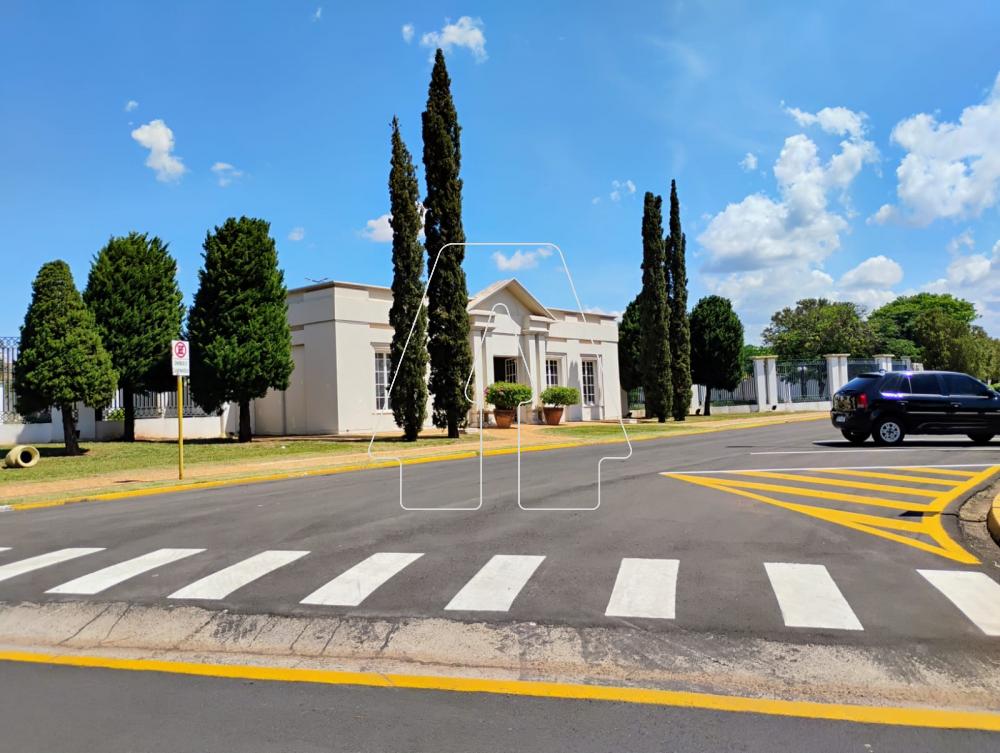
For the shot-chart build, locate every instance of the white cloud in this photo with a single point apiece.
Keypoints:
(467, 32)
(520, 259)
(408, 32)
(620, 187)
(974, 276)
(596, 200)
(950, 170)
(838, 120)
(749, 162)
(876, 271)
(131, 105)
(379, 230)
(159, 140)
(885, 213)
(318, 14)
(226, 173)
(296, 234)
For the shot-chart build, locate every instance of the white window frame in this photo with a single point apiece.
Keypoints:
(510, 365)
(595, 396)
(548, 381)
(383, 355)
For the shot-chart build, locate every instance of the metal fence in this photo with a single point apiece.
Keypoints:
(636, 399)
(147, 404)
(802, 381)
(857, 366)
(744, 394)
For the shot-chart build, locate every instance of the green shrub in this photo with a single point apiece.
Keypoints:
(561, 396)
(507, 395)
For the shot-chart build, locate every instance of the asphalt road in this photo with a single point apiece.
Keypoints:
(56, 709)
(721, 541)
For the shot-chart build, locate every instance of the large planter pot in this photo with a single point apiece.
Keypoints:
(503, 417)
(553, 415)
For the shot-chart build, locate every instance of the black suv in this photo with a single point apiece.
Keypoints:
(888, 406)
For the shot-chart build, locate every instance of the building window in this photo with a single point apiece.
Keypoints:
(510, 370)
(589, 370)
(382, 379)
(551, 372)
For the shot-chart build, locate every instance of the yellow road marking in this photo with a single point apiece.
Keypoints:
(887, 715)
(893, 504)
(888, 476)
(941, 471)
(929, 525)
(843, 484)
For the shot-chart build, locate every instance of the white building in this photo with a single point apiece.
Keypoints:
(340, 347)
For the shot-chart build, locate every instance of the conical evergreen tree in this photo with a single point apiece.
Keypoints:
(61, 360)
(407, 315)
(654, 313)
(132, 291)
(680, 328)
(241, 344)
(447, 293)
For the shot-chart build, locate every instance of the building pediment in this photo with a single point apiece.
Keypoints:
(524, 307)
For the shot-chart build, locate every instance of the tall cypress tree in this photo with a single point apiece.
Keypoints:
(447, 294)
(409, 362)
(680, 328)
(241, 344)
(61, 360)
(654, 312)
(132, 290)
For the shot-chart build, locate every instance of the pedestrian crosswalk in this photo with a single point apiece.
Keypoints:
(807, 596)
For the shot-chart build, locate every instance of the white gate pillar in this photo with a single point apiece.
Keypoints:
(836, 371)
(884, 361)
(760, 381)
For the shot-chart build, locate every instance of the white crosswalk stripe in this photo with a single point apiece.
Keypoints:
(808, 597)
(20, 567)
(497, 584)
(220, 584)
(354, 586)
(4, 548)
(103, 579)
(644, 588)
(977, 595)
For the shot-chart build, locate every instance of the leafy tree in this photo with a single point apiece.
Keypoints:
(716, 346)
(629, 346)
(817, 326)
(680, 329)
(132, 291)
(895, 328)
(654, 313)
(241, 344)
(407, 315)
(748, 353)
(61, 360)
(447, 293)
(950, 344)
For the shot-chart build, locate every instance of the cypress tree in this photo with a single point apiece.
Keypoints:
(680, 328)
(629, 347)
(132, 291)
(654, 313)
(61, 360)
(716, 346)
(409, 363)
(447, 294)
(241, 344)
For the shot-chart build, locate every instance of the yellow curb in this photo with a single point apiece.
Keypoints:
(887, 715)
(993, 519)
(376, 465)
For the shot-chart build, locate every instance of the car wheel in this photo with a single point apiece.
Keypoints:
(888, 431)
(855, 437)
(981, 438)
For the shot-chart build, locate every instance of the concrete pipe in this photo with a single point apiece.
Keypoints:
(22, 456)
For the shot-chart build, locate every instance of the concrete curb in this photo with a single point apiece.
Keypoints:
(993, 519)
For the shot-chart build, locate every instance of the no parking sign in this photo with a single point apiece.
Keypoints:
(180, 357)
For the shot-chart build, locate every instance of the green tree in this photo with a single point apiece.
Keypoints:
(817, 326)
(716, 346)
(950, 344)
(61, 360)
(895, 328)
(241, 344)
(407, 315)
(629, 347)
(132, 291)
(747, 355)
(680, 329)
(654, 313)
(447, 293)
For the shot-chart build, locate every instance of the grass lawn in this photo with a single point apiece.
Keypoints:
(110, 457)
(648, 428)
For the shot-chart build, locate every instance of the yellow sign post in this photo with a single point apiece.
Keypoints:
(180, 358)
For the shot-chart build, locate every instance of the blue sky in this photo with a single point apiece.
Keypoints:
(849, 150)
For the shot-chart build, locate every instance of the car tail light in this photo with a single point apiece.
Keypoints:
(863, 401)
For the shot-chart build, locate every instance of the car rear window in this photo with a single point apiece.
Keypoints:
(925, 384)
(860, 383)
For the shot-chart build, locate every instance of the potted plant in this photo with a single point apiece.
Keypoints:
(554, 398)
(505, 397)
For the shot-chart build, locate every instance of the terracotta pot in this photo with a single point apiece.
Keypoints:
(504, 418)
(553, 415)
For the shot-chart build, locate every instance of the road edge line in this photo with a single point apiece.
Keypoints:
(882, 715)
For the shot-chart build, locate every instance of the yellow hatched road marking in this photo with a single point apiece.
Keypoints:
(889, 476)
(941, 471)
(842, 484)
(892, 504)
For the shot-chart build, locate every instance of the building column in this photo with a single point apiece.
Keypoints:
(884, 361)
(760, 381)
(479, 375)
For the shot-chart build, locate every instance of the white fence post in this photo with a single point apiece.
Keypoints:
(836, 371)
(760, 381)
(884, 361)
